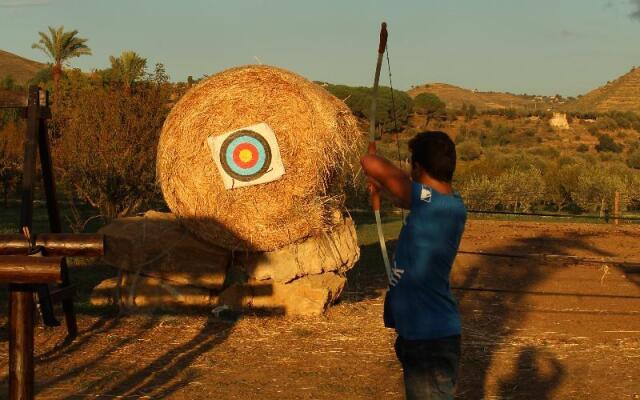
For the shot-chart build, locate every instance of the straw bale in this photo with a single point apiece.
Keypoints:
(318, 139)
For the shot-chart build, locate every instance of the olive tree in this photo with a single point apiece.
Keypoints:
(521, 189)
(481, 192)
(595, 189)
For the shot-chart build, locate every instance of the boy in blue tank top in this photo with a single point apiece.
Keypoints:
(419, 303)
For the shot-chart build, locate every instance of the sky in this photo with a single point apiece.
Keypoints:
(521, 46)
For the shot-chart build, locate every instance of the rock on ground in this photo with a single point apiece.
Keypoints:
(156, 245)
(336, 251)
(309, 295)
(162, 265)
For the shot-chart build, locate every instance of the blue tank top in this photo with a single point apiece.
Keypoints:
(419, 303)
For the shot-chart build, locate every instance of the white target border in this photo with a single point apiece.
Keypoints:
(276, 170)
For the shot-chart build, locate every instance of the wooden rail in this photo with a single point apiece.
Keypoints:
(55, 244)
(30, 269)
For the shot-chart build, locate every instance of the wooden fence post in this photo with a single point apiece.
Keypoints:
(29, 163)
(21, 342)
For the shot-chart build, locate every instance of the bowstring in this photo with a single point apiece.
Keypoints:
(393, 114)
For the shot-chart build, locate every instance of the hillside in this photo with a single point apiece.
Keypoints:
(19, 68)
(455, 97)
(622, 94)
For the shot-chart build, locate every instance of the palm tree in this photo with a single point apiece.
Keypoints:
(60, 46)
(128, 68)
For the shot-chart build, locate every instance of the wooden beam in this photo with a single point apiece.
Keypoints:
(48, 178)
(13, 244)
(21, 375)
(29, 161)
(72, 244)
(30, 270)
(55, 244)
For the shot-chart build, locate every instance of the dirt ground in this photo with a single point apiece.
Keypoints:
(531, 331)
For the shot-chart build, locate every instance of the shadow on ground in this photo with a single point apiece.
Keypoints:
(86, 365)
(489, 291)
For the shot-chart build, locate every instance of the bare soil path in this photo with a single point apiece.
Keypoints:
(531, 331)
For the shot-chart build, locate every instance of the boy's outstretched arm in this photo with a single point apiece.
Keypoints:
(393, 182)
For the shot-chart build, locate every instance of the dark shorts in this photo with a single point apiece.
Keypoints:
(430, 367)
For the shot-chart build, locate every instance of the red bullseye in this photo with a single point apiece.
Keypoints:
(245, 155)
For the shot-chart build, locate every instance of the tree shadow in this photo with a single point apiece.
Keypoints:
(489, 313)
(160, 375)
(155, 378)
(528, 381)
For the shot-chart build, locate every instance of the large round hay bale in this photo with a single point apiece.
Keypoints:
(318, 139)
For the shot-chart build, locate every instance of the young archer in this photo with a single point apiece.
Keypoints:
(419, 303)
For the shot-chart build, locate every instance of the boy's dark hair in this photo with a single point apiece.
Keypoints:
(435, 152)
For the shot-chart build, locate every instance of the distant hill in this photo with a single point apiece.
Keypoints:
(19, 68)
(622, 94)
(455, 97)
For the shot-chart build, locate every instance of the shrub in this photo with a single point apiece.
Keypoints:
(43, 76)
(500, 135)
(545, 151)
(511, 113)
(429, 105)
(469, 151)
(359, 101)
(469, 111)
(606, 123)
(625, 120)
(463, 133)
(439, 124)
(582, 148)
(593, 130)
(607, 144)
(487, 123)
(11, 151)
(107, 147)
(606, 156)
(633, 159)
(8, 83)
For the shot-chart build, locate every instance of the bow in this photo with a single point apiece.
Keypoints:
(375, 196)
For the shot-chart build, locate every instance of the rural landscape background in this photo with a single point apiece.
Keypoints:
(540, 174)
(511, 157)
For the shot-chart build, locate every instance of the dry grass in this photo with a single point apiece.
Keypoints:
(318, 138)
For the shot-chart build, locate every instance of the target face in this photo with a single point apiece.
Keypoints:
(247, 156)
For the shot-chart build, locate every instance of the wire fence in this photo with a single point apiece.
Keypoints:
(606, 217)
